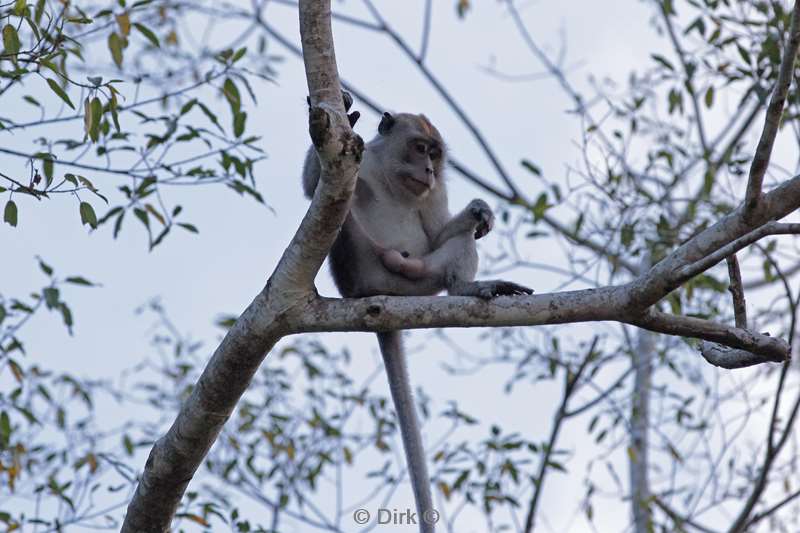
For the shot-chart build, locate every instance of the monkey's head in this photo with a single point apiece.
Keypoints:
(414, 151)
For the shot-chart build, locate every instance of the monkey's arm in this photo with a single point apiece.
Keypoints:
(393, 260)
(409, 267)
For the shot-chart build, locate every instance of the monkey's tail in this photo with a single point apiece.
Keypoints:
(397, 371)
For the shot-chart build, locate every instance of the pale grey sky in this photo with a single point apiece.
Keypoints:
(198, 277)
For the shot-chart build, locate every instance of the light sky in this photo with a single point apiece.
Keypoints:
(219, 271)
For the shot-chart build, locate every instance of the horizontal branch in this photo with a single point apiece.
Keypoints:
(770, 348)
(729, 358)
(385, 313)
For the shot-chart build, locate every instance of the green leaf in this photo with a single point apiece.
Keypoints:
(231, 93)
(662, 61)
(141, 214)
(709, 96)
(149, 35)
(10, 213)
(59, 91)
(626, 235)
(19, 7)
(540, 207)
(238, 123)
(211, 116)
(47, 269)
(37, 15)
(188, 106)
(115, 45)
(96, 115)
(51, 297)
(66, 314)
(31, 100)
(188, 227)
(239, 54)
(87, 215)
(531, 167)
(118, 224)
(47, 164)
(11, 44)
(5, 430)
(79, 280)
(112, 104)
(744, 53)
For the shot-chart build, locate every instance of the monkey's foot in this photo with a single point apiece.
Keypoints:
(347, 100)
(487, 290)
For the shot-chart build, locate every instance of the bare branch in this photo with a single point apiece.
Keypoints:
(769, 348)
(723, 356)
(687, 71)
(729, 358)
(175, 457)
(771, 228)
(570, 382)
(737, 292)
(672, 271)
(773, 119)
(679, 520)
(384, 313)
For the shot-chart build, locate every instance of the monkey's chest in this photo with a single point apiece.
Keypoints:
(396, 227)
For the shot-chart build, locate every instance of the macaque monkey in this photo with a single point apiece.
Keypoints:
(400, 239)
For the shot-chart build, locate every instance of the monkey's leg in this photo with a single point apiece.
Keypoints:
(400, 386)
(476, 217)
(461, 267)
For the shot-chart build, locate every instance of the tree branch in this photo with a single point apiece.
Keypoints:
(737, 291)
(773, 119)
(175, 457)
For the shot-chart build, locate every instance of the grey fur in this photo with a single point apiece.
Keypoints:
(400, 211)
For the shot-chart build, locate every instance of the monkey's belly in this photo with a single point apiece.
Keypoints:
(395, 228)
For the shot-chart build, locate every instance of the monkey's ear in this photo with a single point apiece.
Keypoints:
(387, 122)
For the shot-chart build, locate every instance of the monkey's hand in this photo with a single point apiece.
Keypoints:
(347, 100)
(483, 215)
(399, 263)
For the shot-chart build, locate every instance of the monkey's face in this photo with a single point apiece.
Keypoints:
(421, 163)
(419, 152)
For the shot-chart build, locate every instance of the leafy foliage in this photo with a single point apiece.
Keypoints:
(134, 117)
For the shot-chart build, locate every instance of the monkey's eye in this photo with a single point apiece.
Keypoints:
(435, 153)
(420, 148)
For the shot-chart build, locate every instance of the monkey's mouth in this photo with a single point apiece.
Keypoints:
(416, 186)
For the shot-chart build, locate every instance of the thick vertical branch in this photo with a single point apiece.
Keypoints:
(773, 119)
(638, 457)
(175, 457)
(642, 357)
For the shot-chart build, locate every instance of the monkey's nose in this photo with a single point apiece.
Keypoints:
(429, 170)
